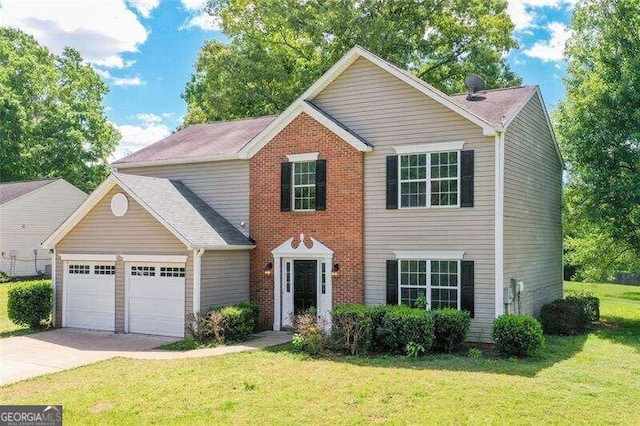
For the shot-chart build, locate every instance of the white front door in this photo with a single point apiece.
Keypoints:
(156, 298)
(90, 295)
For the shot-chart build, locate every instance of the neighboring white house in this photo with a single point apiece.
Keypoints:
(29, 212)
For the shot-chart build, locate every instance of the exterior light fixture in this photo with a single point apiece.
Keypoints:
(268, 268)
(335, 269)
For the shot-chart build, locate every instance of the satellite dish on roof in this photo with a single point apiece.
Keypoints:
(474, 83)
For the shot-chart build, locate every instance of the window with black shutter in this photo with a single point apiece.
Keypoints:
(303, 186)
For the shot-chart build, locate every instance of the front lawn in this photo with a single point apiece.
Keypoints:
(592, 379)
(7, 328)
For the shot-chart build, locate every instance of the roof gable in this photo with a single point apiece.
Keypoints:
(10, 191)
(177, 208)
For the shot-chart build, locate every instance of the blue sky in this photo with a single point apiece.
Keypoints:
(145, 51)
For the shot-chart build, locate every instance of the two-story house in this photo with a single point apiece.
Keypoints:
(373, 187)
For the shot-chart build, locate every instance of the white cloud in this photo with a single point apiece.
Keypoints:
(524, 15)
(194, 4)
(135, 137)
(551, 50)
(119, 81)
(148, 117)
(102, 31)
(204, 21)
(144, 7)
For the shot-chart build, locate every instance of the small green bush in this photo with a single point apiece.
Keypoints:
(239, 321)
(31, 303)
(352, 328)
(401, 325)
(564, 317)
(589, 303)
(517, 335)
(309, 336)
(4, 278)
(450, 328)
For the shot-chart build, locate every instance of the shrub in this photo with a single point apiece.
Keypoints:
(564, 317)
(4, 278)
(589, 303)
(224, 324)
(352, 328)
(450, 328)
(309, 335)
(475, 353)
(30, 303)
(401, 325)
(517, 335)
(238, 322)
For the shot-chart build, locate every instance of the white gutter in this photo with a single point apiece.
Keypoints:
(53, 283)
(499, 222)
(197, 276)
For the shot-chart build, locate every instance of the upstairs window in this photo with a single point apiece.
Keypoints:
(429, 179)
(304, 185)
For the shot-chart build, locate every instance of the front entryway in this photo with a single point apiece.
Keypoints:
(305, 274)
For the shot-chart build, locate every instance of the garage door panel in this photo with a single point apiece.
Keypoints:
(90, 296)
(156, 301)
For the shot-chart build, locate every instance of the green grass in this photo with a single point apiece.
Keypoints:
(7, 328)
(592, 379)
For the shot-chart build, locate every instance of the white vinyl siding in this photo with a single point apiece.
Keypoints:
(225, 278)
(27, 221)
(387, 112)
(224, 185)
(532, 209)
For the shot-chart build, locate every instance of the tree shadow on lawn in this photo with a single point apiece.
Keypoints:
(620, 330)
(556, 349)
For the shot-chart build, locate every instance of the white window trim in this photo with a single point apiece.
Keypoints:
(429, 147)
(88, 257)
(145, 258)
(309, 156)
(429, 255)
(294, 186)
(429, 287)
(428, 182)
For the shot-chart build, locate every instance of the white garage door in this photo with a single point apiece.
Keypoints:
(156, 298)
(90, 295)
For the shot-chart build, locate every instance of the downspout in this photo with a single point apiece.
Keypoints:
(197, 275)
(53, 283)
(499, 225)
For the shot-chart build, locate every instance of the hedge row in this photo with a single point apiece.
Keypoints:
(361, 329)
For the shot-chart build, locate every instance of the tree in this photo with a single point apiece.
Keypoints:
(52, 120)
(278, 48)
(598, 123)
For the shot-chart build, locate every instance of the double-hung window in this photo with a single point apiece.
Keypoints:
(304, 185)
(437, 281)
(429, 179)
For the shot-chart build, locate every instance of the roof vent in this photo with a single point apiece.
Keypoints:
(474, 84)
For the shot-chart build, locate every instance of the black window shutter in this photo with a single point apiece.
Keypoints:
(321, 184)
(392, 182)
(467, 297)
(466, 176)
(392, 282)
(285, 187)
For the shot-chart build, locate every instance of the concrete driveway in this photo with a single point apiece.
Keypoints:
(29, 356)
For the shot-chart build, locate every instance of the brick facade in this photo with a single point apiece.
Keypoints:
(339, 227)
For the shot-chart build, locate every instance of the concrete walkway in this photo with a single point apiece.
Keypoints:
(48, 352)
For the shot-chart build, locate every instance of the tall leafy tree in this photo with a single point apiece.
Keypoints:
(278, 48)
(52, 119)
(598, 123)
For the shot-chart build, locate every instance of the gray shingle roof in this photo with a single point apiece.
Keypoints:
(496, 106)
(12, 190)
(202, 140)
(183, 211)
